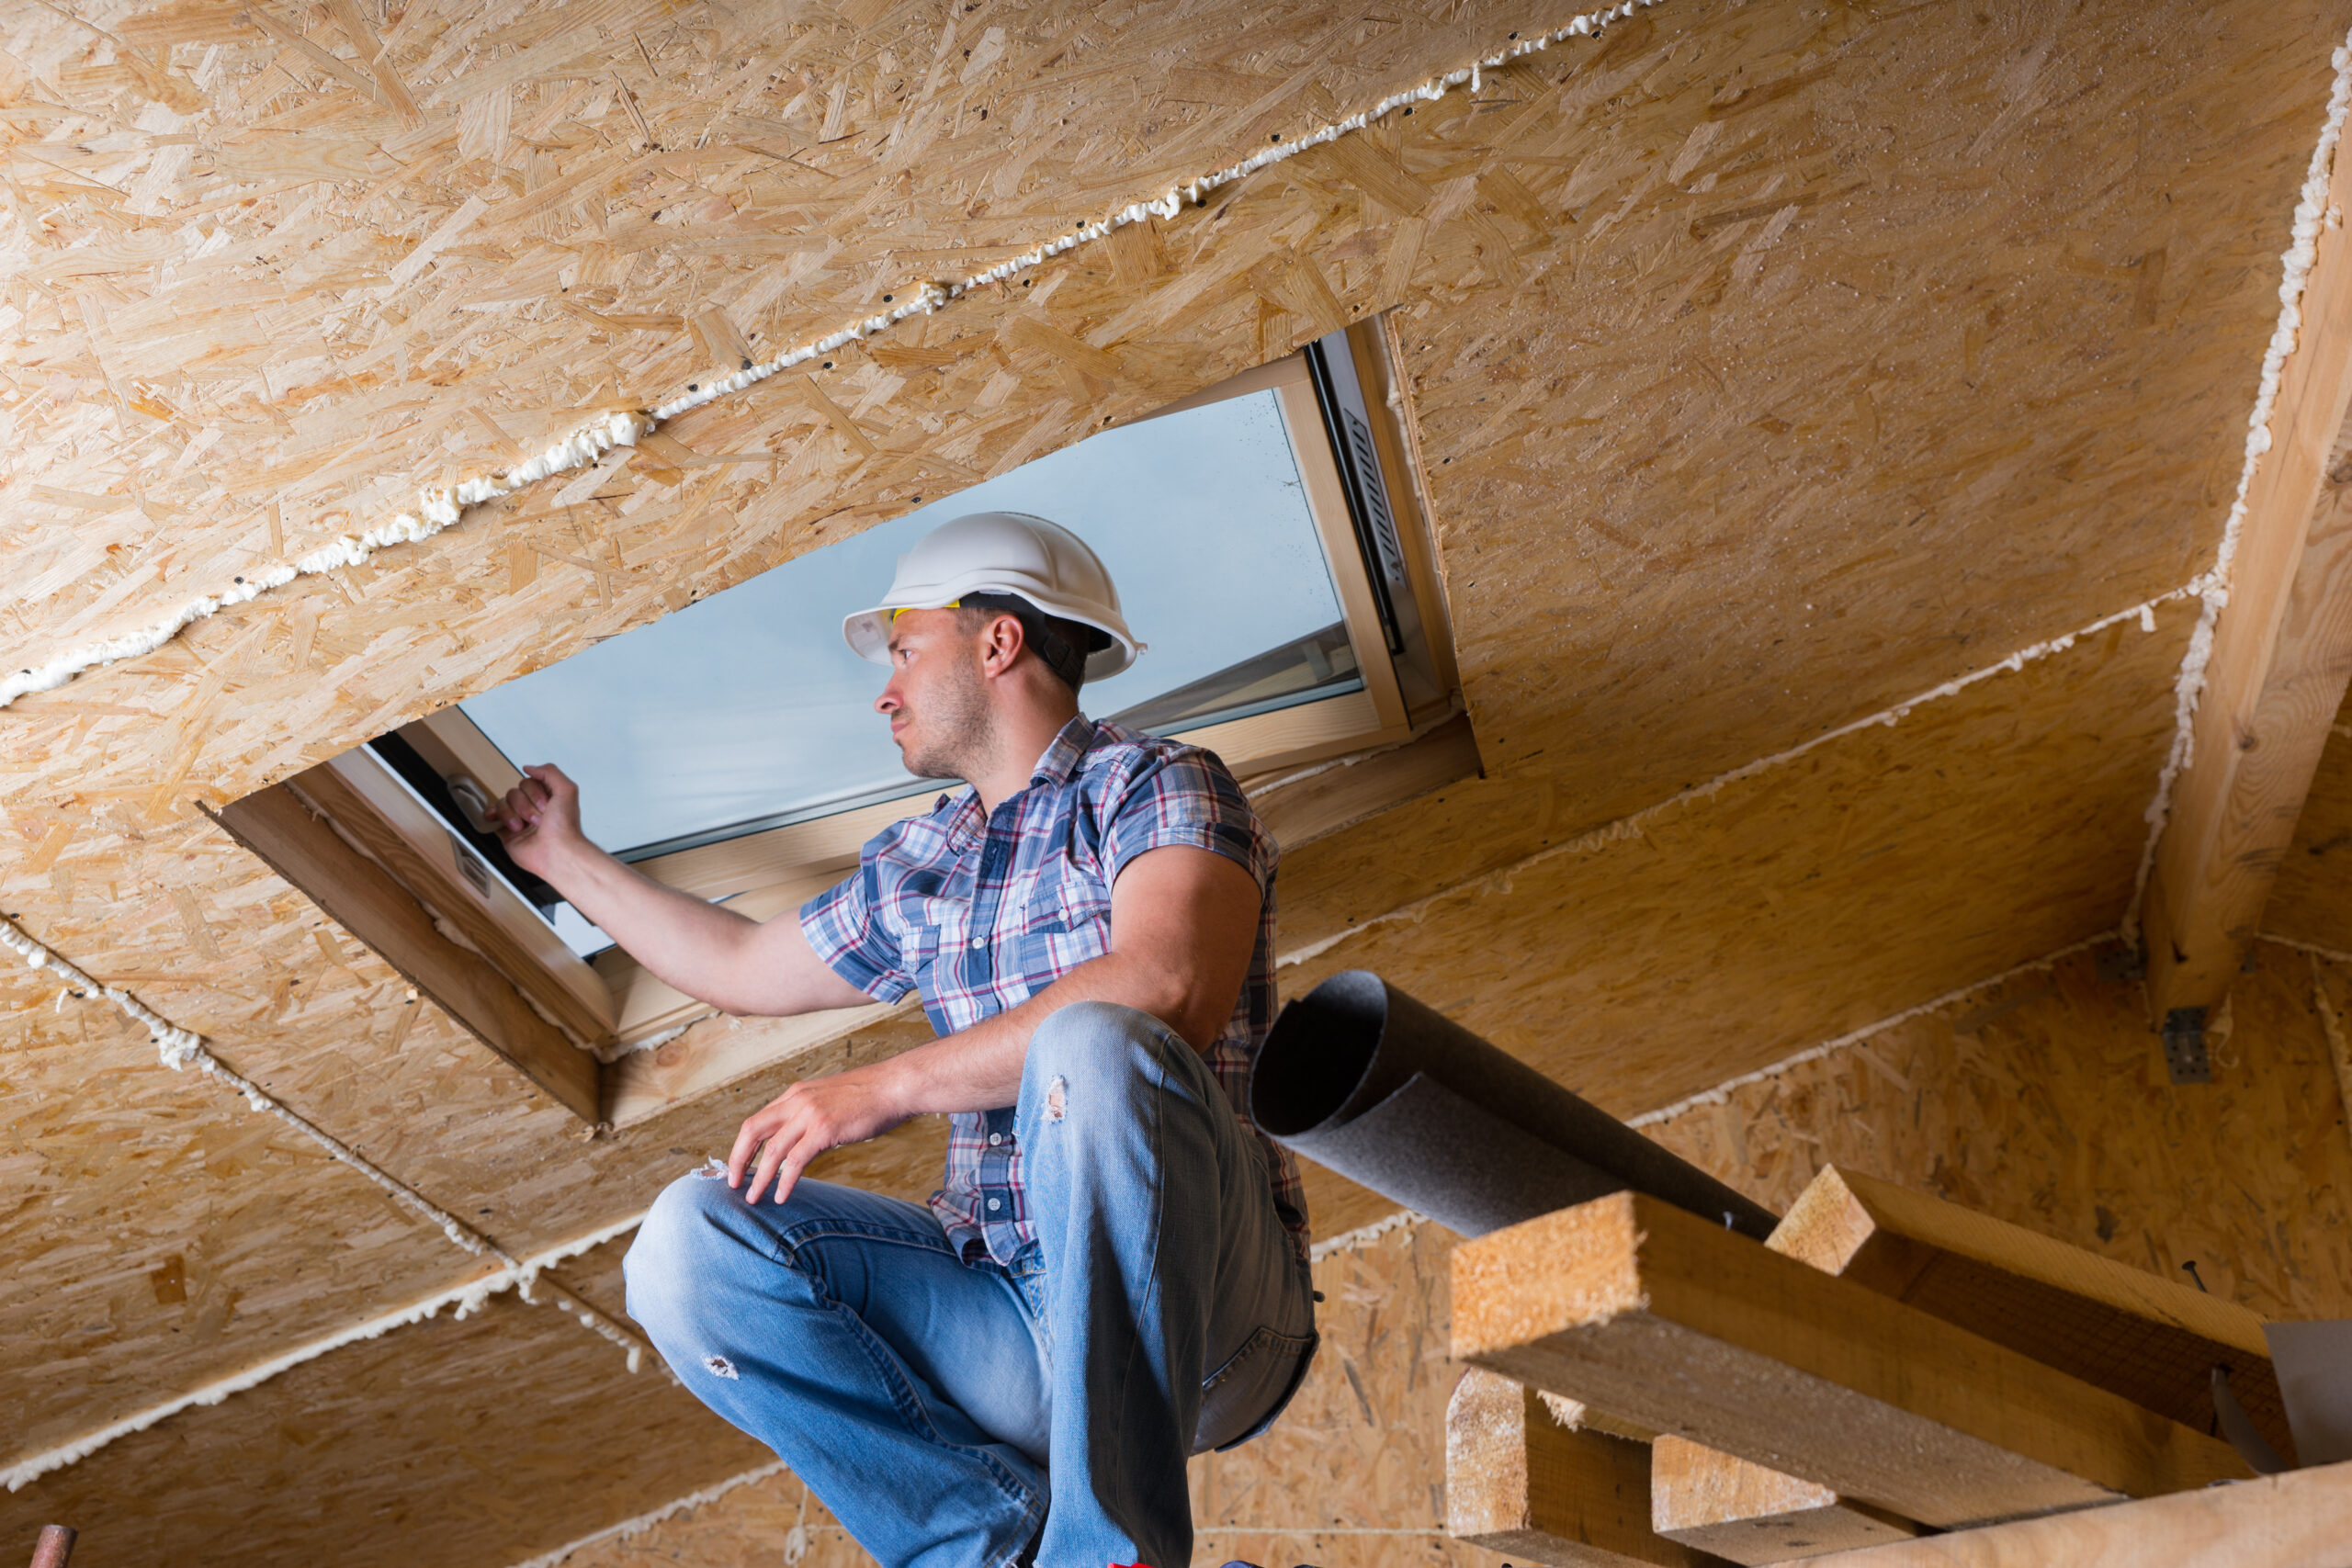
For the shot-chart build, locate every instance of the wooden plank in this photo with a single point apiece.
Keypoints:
(2280, 660)
(1520, 1482)
(362, 898)
(2116, 1328)
(644, 1084)
(1632, 1305)
(1746, 1513)
(1300, 808)
(2302, 1519)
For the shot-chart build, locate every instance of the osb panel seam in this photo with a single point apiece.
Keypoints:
(445, 507)
(180, 1049)
(1630, 827)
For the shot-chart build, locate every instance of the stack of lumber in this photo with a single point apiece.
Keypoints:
(1890, 1381)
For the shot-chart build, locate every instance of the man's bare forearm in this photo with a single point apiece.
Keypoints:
(696, 946)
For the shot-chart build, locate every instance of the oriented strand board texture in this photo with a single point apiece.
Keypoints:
(441, 1443)
(2043, 1102)
(155, 1221)
(1770, 362)
(148, 1218)
(1794, 905)
(326, 253)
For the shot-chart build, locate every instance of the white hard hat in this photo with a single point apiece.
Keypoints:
(1003, 552)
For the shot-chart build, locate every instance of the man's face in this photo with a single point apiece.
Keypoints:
(937, 698)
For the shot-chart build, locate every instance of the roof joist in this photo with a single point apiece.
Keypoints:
(2280, 653)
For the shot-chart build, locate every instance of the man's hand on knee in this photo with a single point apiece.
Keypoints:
(806, 1120)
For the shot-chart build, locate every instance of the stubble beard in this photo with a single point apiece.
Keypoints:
(961, 730)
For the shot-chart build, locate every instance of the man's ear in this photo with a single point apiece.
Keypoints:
(1006, 638)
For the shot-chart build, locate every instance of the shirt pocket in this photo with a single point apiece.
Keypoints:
(1066, 923)
(934, 928)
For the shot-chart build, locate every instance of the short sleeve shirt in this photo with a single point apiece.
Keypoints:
(979, 912)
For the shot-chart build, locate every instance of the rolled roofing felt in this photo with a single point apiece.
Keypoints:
(1361, 1078)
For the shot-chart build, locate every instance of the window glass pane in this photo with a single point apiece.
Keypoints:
(747, 709)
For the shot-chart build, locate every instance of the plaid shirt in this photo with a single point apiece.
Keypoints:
(981, 913)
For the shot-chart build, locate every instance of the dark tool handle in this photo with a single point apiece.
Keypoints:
(55, 1549)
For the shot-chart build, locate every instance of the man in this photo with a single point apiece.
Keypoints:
(1113, 1275)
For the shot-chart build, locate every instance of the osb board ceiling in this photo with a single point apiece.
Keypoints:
(443, 1443)
(1728, 933)
(1771, 366)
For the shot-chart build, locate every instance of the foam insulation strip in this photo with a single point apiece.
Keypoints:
(182, 1048)
(467, 1298)
(441, 509)
(2312, 215)
(1721, 1094)
(2313, 948)
(1630, 827)
(1362, 1236)
(794, 1546)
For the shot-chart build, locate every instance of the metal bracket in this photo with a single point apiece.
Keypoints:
(2185, 1056)
(2117, 965)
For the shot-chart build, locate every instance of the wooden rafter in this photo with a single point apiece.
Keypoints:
(2280, 659)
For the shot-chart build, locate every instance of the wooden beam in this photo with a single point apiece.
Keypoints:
(362, 898)
(2116, 1328)
(2281, 656)
(1520, 1482)
(1637, 1307)
(1741, 1511)
(1304, 804)
(711, 1055)
(2300, 1520)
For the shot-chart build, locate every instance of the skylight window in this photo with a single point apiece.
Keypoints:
(747, 711)
(1264, 551)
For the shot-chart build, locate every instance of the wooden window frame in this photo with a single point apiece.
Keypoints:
(354, 820)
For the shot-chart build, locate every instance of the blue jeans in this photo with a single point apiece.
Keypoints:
(955, 1413)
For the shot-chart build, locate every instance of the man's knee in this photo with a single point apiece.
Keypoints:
(1100, 1054)
(1093, 1039)
(692, 1223)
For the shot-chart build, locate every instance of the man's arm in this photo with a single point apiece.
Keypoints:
(1183, 925)
(711, 953)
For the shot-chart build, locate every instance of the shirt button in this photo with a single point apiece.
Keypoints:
(996, 1137)
(993, 1205)
(979, 941)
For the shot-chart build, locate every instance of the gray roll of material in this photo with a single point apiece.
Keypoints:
(1359, 1076)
